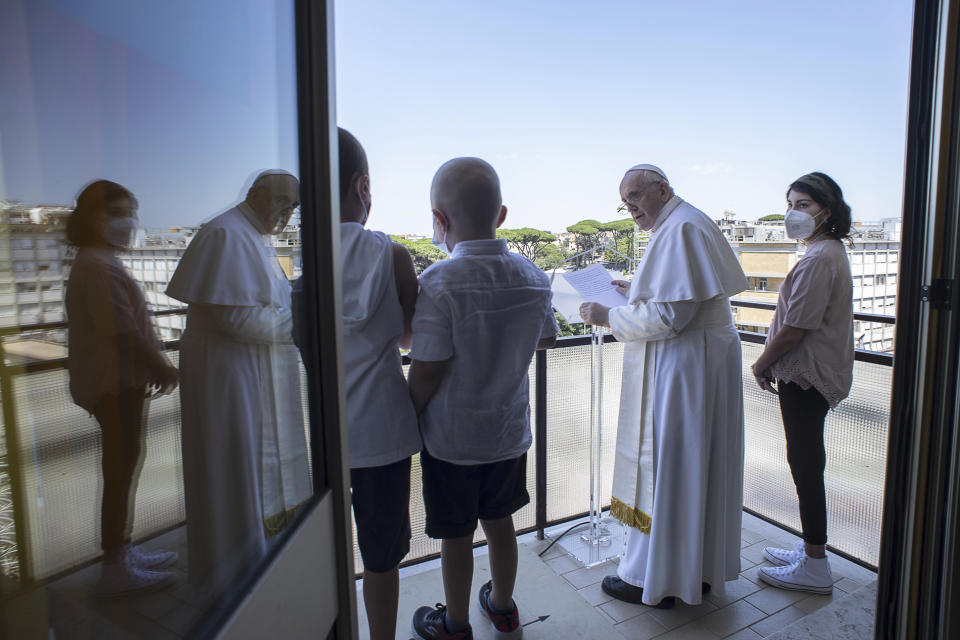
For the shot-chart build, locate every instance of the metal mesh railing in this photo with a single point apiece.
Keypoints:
(59, 472)
(59, 467)
(855, 438)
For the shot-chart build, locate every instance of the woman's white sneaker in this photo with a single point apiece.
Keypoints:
(784, 557)
(141, 559)
(121, 579)
(807, 574)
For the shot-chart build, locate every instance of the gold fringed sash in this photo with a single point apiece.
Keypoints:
(633, 477)
(276, 523)
(630, 516)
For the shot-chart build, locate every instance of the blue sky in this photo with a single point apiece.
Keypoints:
(181, 101)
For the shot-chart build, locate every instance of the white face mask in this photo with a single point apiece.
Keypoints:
(366, 211)
(440, 243)
(118, 232)
(800, 225)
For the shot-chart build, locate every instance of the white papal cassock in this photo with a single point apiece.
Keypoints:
(678, 474)
(244, 449)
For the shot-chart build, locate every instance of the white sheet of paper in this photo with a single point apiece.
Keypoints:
(592, 284)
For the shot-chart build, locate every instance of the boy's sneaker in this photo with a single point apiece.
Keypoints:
(428, 624)
(506, 624)
(784, 557)
(121, 579)
(137, 557)
(807, 574)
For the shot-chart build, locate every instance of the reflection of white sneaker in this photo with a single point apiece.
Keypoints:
(141, 559)
(119, 579)
(807, 574)
(784, 557)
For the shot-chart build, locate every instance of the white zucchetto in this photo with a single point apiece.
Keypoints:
(649, 167)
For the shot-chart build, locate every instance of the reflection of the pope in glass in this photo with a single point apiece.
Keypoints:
(244, 450)
(115, 360)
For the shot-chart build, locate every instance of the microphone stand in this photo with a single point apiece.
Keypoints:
(598, 535)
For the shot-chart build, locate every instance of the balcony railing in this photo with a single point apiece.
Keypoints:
(49, 479)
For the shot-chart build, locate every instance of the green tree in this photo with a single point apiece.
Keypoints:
(622, 239)
(422, 251)
(585, 234)
(567, 329)
(550, 255)
(773, 217)
(529, 243)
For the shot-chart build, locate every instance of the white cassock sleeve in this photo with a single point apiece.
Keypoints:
(650, 321)
(259, 325)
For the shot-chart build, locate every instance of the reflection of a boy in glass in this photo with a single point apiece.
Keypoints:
(115, 363)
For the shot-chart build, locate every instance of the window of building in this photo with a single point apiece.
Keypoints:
(761, 284)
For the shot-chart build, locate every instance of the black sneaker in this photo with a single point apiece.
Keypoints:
(505, 624)
(428, 624)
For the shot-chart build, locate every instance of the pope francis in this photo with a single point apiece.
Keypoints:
(678, 472)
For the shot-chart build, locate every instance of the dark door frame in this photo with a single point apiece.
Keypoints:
(320, 233)
(918, 550)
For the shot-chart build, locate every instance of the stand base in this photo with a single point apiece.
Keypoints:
(590, 551)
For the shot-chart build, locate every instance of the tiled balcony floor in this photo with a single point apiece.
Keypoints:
(554, 584)
(748, 610)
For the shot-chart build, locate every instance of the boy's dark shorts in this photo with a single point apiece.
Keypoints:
(456, 496)
(381, 509)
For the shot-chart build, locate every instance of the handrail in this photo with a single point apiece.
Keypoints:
(734, 302)
(857, 315)
(49, 326)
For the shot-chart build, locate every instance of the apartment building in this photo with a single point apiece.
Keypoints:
(35, 265)
(33, 260)
(874, 265)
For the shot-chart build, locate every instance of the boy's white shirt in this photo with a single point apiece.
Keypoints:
(381, 420)
(485, 309)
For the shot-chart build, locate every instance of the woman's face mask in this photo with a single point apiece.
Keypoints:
(801, 225)
(118, 232)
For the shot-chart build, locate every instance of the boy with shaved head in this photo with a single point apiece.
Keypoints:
(479, 318)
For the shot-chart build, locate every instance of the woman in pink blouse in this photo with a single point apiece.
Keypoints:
(115, 363)
(809, 357)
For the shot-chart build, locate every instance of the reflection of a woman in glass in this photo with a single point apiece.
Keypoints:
(115, 363)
